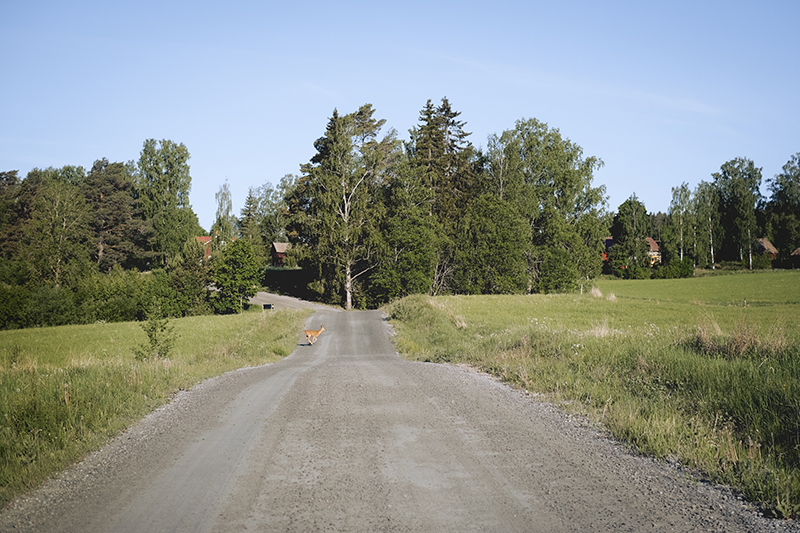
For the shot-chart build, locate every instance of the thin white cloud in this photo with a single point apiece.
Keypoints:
(591, 89)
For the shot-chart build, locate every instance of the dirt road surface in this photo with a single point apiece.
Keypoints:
(278, 301)
(347, 436)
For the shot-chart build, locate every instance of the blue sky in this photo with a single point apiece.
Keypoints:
(663, 93)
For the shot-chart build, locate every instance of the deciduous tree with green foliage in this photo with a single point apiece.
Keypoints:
(681, 212)
(190, 278)
(630, 229)
(9, 189)
(783, 208)
(738, 183)
(491, 248)
(414, 241)
(235, 273)
(709, 228)
(549, 180)
(162, 191)
(57, 238)
(337, 205)
(224, 228)
(274, 210)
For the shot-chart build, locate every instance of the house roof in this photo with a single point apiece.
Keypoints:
(766, 246)
(280, 247)
(653, 244)
(796, 252)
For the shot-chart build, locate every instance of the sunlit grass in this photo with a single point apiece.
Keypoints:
(765, 287)
(66, 390)
(677, 369)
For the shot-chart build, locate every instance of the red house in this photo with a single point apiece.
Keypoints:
(206, 242)
(763, 246)
(279, 253)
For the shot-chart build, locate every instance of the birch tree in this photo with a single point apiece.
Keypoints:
(738, 183)
(681, 212)
(708, 222)
(163, 183)
(57, 236)
(783, 208)
(549, 181)
(339, 209)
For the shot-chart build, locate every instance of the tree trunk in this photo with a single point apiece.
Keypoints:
(711, 240)
(348, 287)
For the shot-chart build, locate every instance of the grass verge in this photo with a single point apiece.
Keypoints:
(679, 368)
(65, 390)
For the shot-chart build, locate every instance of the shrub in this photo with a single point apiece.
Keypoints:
(160, 334)
(50, 306)
(675, 269)
(157, 288)
(12, 306)
(761, 262)
(111, 297)
(638, 272)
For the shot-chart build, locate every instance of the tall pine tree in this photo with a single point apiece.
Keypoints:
(441, 154)
(118, 230)
(337, 204)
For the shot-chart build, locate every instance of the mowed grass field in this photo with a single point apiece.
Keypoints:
(66, 390)
(705, 371)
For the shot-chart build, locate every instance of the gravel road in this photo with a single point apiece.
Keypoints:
(347, 436)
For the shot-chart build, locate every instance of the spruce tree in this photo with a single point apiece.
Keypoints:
(337, 207)
(442, 156)
(250, 225)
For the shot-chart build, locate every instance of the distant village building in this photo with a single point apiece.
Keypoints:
(279, 250)
(654, 251)
(206, 242)
(763, 246)
(794, 257)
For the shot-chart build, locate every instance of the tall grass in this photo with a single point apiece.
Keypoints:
(679, 368)
(66, 390)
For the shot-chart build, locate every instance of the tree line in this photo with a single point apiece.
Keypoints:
(370, 218)
(375, 218)
(719, 223)
(111, 244)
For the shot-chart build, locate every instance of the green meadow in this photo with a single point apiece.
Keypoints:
(705, 371)
(66, 390)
